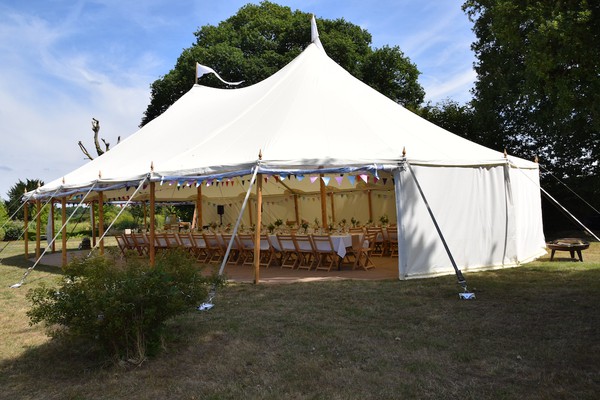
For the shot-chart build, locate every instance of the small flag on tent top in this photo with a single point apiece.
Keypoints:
(203, 70)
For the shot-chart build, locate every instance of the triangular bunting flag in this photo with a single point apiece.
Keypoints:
(339, 180)
(352, 179)
(384, 181)
(364, 177)
(299, 177)
(326, 180)
(313, 179)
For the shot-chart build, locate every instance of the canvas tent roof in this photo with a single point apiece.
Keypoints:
(311, 114)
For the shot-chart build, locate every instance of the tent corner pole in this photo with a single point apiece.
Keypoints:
(199, 208)
(26, 224)
(101, 220)
(52, 227)
(38, 223)
(323, 203)
(63, 216)
(257, 230)
(151, 249)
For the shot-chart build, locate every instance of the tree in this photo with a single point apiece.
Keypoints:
(99, 151)
(260, 39)
(454, 117)
(16, 193)
(538, 88)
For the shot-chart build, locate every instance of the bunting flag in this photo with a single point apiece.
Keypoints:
(313, 179)
(203, 70)
(384, 181)
(326, 180)
(299, 177)
(339, 180)
(282, 177)
(352, 179)
(364, 177)
(375, 179)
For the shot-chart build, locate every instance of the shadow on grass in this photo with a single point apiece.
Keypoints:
(20, 262)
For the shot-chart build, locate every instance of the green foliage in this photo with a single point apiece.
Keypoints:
(454, 117)
(260, 39)
(122, 306)
(15, 194)
(538, 87)
(13, 230)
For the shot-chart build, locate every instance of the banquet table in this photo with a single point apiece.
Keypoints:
(340, 243)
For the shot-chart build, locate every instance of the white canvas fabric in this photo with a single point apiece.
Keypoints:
(311, 115)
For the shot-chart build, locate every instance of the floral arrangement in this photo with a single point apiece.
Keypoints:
(384, 219)
(270, 228)
(304, 224)
(354, 222)
(278, 222)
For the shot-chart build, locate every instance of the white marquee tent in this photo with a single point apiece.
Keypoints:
(313, 123)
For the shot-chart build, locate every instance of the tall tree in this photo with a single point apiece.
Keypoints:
(538, 90)
(538, 87)
(260, 39)
(15, 194)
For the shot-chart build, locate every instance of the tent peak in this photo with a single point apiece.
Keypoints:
(314, 33)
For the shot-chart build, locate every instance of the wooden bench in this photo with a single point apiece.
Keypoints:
(571, 245)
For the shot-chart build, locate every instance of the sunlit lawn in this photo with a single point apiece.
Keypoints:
(532, 332)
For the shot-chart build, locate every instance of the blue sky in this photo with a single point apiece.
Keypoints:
(66, 61)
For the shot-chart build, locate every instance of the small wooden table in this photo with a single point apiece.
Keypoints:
(571, 245)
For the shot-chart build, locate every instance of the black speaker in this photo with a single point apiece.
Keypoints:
(220, 209)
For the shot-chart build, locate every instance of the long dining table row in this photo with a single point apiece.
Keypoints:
(286, 250)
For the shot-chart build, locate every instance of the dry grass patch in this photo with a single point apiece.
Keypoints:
(531, 333)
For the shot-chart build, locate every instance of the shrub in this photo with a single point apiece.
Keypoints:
(121, 305)
(1, 234)
(13, 230)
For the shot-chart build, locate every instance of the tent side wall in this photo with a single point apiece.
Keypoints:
(525, 186)
(474, 209)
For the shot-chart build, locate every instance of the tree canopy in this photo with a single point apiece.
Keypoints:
(538, 87)
(15, 193)
(260, 39)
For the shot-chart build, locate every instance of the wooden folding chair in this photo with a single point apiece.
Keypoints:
(379, 248)
(363, 255)
(122, 244)
(199, 247)
(213, 247)
(287, 247)
(141, 243)
(160, 241)
(305, 251)
(267, 252)
(392, 237)
(236, 248)
(326, 255)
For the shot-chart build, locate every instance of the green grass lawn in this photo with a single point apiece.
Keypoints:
(532, 333)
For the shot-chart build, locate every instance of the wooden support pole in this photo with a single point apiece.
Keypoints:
(296, 212)
(199, 220)
(93, 220)
(25, 224)
(332, 209)
(38, 229)
(52, 227)
(145, 217)
(257, 230)
(250, 211)
(101, 220)
(63, 233)
(370, 206)
(323, 204)
(151, 250)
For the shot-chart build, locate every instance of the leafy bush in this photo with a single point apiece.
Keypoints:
(121, 305)
(1, 234)
(13, 230)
